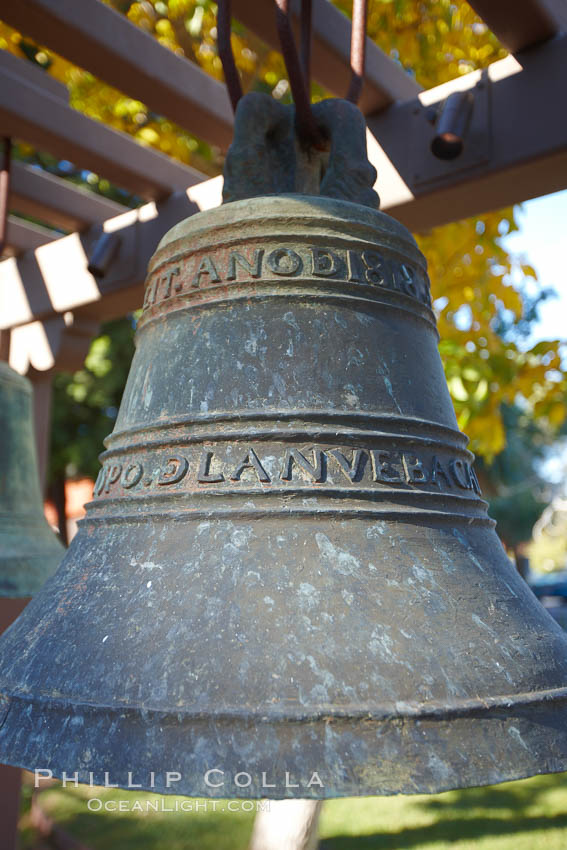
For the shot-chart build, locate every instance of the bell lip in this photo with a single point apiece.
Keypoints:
(26, 564)
(292, 205)
(495, 749)
(29, 572)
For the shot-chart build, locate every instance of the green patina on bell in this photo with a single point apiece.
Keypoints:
(29, 550)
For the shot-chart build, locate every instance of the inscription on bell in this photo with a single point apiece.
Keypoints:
(357, 267)
(235, 465)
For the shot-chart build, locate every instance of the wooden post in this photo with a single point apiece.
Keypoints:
(5, 345)
(10, 777)
(41, 413)
(289, 825)
(10, 790)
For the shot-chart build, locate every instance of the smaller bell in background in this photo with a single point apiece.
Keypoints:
(29, 550)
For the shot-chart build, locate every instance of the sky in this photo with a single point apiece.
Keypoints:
(542, 241)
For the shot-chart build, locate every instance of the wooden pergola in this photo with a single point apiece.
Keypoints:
(51, 305)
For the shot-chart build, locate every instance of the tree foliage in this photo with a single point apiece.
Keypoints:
(85, 403)
(478, 287)
(487, 368)
(512, 482)
(548, 549)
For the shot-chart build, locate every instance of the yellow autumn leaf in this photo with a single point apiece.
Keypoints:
(557, 413)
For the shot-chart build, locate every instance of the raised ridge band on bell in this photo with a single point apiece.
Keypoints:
(248, 504)
(377, 422)
(369, 238)
(398, 711)
(299, 435)
(264, 291)
(200, 262)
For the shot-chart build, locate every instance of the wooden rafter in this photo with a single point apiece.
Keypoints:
(385, 81)
(55, 201)
(520, 24)
(54, 279)
(524, 136)
(523, 160)
(29, 110)
(22, 236)
(103, 41)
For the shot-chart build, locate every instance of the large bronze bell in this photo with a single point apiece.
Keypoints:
(29, 550)
(287, 584)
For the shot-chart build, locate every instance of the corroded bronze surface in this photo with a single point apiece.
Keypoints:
(267, 158)
(29, 550)
(287, 584)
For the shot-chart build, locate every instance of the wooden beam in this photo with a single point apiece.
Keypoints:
(96, 37)
(34, 75)
(58, 202)
(10, 777)
(519, 24)
(24, 236)
(558, 10)
(103, 41)
(41, 399)
(59, 343)
(521, 142)
(30, 111)
(54, 279)
(385, 81)
(510, 159)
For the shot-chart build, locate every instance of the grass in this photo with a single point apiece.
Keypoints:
(526, 815)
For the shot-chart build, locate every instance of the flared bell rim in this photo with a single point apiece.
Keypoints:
(24, 573)
(364, 747)
(507, 738)
(30, 552)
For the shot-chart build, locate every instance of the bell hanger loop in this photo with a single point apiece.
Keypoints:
(300, 148)
(298, 65)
